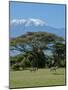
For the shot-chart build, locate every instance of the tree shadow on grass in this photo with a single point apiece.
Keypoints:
(56, 73)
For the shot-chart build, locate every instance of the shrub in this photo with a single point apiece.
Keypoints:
(15, 66)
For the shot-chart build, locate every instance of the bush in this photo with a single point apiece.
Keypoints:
(16, 66)
(62, 63)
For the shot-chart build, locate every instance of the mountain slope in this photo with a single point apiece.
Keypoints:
(19, 27)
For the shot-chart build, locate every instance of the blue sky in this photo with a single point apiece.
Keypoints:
(54, 15)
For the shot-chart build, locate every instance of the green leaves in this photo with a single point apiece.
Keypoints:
(32, 45)
(34, 39)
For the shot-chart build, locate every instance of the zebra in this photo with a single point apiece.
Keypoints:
(53, 66)
(33, 69)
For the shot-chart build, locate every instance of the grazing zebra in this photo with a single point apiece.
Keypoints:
(33, 69)
(53, 68)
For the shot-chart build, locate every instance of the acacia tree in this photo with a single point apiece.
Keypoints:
(59, 52)
(35, 43)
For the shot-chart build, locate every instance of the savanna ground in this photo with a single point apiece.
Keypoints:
(42, 77)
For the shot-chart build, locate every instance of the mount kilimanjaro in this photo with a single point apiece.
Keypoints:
(21, 26)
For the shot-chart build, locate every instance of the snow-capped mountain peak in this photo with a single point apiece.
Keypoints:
(28, 22)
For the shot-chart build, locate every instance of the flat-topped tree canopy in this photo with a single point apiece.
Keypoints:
(34, 39)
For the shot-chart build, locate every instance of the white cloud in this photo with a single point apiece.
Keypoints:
(28, 22)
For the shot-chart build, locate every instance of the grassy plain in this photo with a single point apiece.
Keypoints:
(42, 77)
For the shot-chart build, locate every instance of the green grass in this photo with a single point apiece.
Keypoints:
(42, 77)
